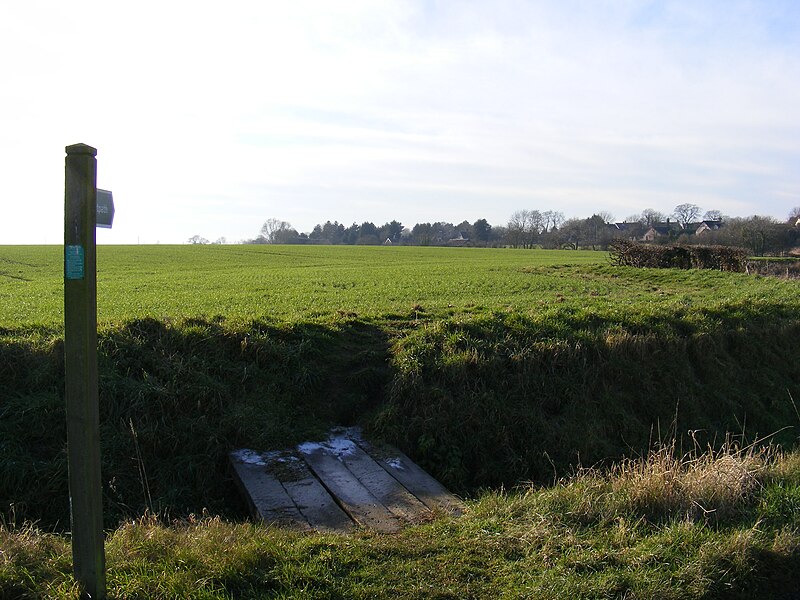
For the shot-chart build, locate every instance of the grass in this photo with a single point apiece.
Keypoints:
(488, 367)
(298, 283)
(268, 282)
(592, 535)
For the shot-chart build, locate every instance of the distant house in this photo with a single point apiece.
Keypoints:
(674, 229)
(670, 229)
(461, 240)
(631, 231)
(704, 226)
(388, 242)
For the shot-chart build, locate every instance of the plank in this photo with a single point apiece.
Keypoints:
(266, 495)
(362, 506)
(388, 490)
(414, 478)
(316, 504)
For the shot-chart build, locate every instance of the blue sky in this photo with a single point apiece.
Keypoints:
(210, 118)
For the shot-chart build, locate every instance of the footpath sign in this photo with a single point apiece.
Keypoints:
(105, 209)
(85, 207)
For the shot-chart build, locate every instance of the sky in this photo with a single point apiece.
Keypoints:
(211, 117)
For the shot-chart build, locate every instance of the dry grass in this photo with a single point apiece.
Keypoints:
(713, 485)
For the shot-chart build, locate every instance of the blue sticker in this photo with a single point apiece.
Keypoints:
(74, 262)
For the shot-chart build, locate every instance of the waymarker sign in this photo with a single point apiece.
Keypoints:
(105, 209)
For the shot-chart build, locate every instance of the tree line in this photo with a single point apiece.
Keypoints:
(275, 231)
(760, 235)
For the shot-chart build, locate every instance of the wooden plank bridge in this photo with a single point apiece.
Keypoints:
(340, 484)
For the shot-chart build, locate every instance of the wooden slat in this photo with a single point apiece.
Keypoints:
(357, 500)
(416, 480)
(316, 504)
(388, 490)
(266, 496)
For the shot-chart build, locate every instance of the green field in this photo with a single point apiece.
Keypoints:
(313, 283)
(280, 282)
(490, 367)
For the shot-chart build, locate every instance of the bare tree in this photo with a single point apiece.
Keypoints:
(516, 228)
(650, 217)
(686, 213)
(573, 233)
(196, 239)
(606, 216)
(552, 220)
(533, 227)
(794, 213)
(713, 215)
(273, 229)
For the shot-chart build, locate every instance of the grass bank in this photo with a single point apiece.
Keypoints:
(715, 525)
(488, 367)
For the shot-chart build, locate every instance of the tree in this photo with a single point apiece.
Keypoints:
(571, 233)
(392, 230)
(368, 234)
(651, 216)
(332, 233)
(482, 230)
(597, 231)
(464, 229)
(316, 233)
(712, 215)
(516, 228)
(352, 234)
(423, 234)
(533, 227)
(196, 239)
(442, 232)
(759, 234)
(686, 213)
(221, 240)
(606, 216)
(273, 229)
(286, 236)
(551, 220)
(525, 226)
(794, 214)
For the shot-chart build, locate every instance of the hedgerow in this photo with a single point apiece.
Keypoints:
(633, 254)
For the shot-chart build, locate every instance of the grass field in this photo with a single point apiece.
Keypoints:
(490, 367)
(301, 283)
(276, 282)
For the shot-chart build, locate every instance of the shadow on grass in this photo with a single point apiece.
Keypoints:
(479, 400)
(175, 398)
(501, 398)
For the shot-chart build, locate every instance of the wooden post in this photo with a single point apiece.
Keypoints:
(80, 350)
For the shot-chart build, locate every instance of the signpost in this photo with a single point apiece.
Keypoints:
(81, 211)
(105, 209)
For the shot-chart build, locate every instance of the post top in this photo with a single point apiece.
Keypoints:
(81, 149)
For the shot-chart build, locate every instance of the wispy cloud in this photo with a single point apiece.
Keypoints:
(210, 118)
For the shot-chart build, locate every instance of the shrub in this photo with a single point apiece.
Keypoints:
(633, 254)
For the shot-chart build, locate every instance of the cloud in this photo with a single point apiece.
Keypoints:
(210, 118)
